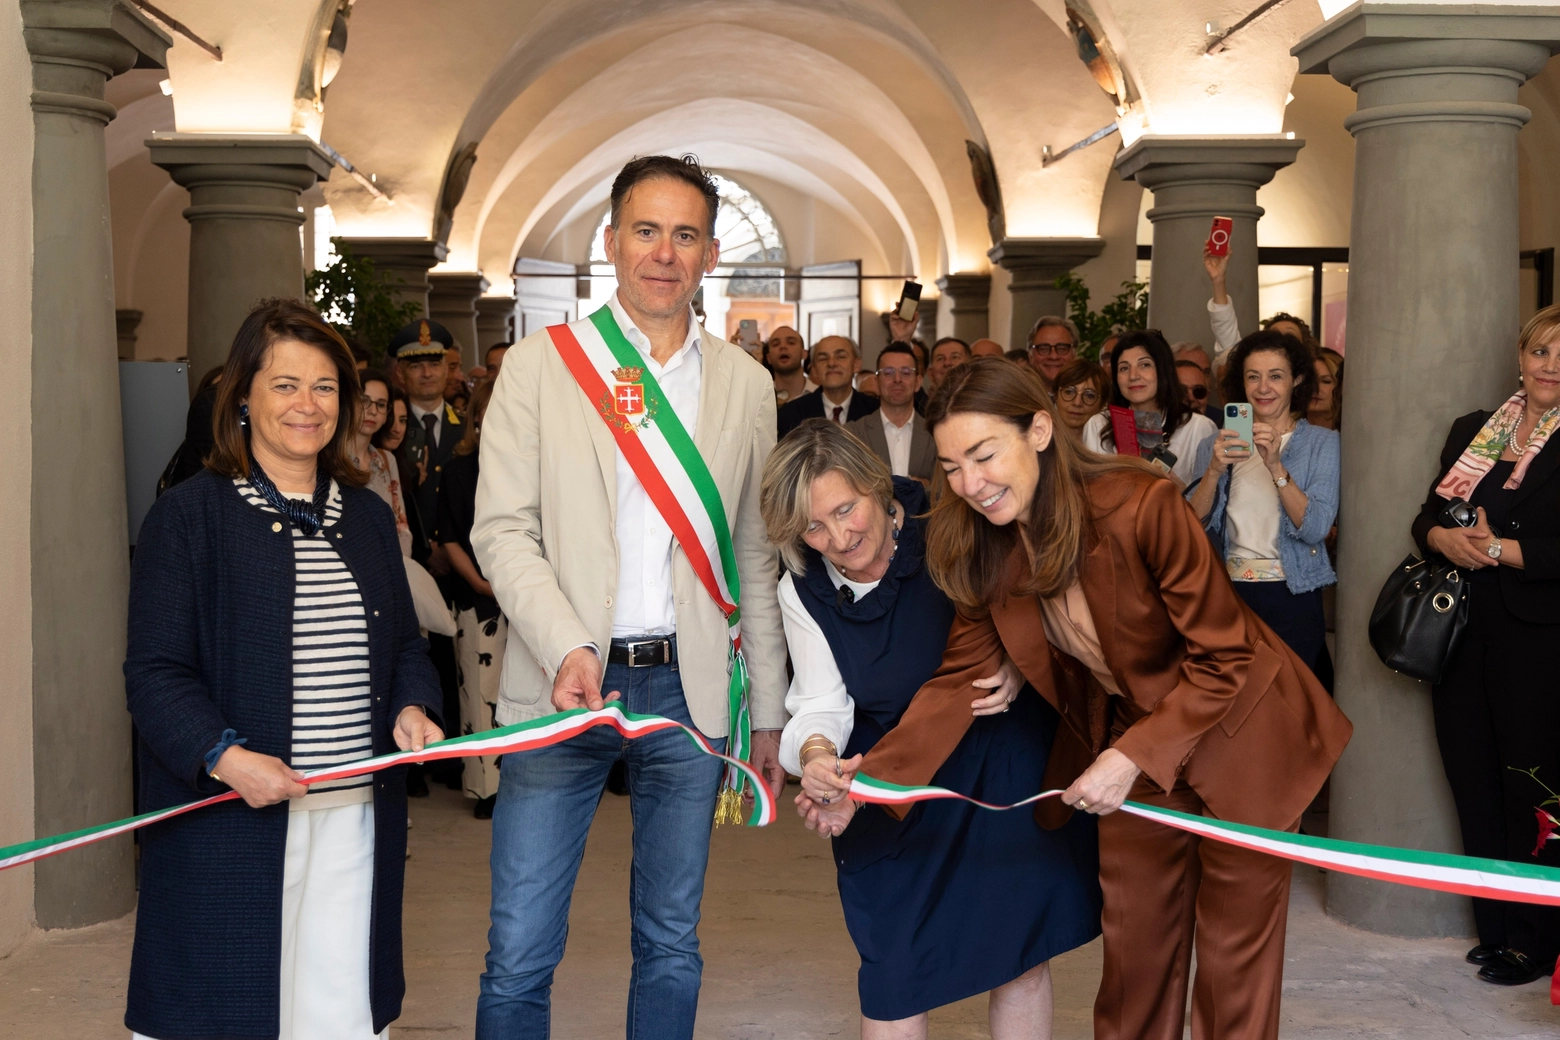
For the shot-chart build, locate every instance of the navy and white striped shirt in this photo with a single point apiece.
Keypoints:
(331, 698)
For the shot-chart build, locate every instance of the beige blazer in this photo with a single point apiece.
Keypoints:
(545, 535)
(923, 451)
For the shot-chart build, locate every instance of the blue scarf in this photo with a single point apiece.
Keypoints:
(307, 517)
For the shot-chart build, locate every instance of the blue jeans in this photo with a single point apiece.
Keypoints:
(546, 801)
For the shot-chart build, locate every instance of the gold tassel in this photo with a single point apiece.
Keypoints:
(728, 807)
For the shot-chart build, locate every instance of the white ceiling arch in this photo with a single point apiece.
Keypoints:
(714, 64)
(722, 121)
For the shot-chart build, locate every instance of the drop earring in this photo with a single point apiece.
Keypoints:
(243, 416)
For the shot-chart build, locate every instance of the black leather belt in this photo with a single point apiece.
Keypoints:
(643, 653)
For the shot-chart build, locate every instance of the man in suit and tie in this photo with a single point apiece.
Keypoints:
(895, 433)
(603, 599)
(834, 369)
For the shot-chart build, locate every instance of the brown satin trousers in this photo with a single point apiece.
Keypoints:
(1166, 890)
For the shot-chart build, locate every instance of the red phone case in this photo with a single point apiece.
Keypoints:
(1219, 236)
(1123, 426)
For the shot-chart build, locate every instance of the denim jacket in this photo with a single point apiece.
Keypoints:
(1311, 457)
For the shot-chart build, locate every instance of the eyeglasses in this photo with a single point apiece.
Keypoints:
(371, 405)
(1052, 348)
(902, 373)
(1073, 393)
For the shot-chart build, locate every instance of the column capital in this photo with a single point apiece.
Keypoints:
(1037, 262)
(398, 252)
(1154, 160)
(1371, 24)
(241, 176)
(966, 291)
(75, 47)
(457, 285)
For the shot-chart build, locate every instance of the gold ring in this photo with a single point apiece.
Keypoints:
(1082, 804)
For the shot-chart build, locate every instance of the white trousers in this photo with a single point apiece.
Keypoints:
(479, 648)
(327, 896)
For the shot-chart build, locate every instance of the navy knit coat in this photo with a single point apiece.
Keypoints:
(210, 648)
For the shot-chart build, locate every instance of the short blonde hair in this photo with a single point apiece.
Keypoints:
(1540, 328)
(814, 448)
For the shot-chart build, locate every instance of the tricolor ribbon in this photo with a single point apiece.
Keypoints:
(523, 736)
(1438, 871)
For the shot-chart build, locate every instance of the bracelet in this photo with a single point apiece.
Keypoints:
(229, 738)
(817, 744)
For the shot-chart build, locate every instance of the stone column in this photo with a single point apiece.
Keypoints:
(244, 220)
(969, 302)
(452, 301)
(1195, 179)
(406, 262)
(1433, 321)
(80, 572)
(495, 323)
(1035, 264)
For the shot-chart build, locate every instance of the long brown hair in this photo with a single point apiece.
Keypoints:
(269, 323)
(475, 409)
(966, 553)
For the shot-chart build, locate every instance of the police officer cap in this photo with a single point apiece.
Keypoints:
(422, 338)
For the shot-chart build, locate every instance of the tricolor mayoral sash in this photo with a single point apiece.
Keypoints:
(662, 455)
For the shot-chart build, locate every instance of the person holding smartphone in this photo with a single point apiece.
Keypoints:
(1169, 434)
(1270, 500)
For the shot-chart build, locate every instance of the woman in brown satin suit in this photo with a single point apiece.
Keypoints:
(1094, 575)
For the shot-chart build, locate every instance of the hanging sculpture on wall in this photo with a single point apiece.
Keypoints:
(988, 190)
(1095, 51)
(455, 180)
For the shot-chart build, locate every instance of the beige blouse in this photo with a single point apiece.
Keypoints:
(1070, 628)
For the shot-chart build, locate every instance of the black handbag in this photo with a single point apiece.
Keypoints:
(1420, 617)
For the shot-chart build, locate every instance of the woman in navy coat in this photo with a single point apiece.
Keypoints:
(953, 900)
(272, 631)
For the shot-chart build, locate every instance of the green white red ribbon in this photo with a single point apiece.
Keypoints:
(524, 736)
(1439, 871)
(663, 456)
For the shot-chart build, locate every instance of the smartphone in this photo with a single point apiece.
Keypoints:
(747, 334)
(1219, 236)
(909, 302)
(1237, 417)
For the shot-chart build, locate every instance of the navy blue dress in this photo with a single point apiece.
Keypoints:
(953, 900)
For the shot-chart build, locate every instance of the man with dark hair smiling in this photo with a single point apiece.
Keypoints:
(599, 435)
(895, 433)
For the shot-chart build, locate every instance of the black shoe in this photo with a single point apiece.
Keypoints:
(416, 785)
(1483, 953)
(617, 778)
(484, 807)
(1512, 968)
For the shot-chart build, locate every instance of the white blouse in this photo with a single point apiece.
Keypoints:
(1191, 443)
(817, 699)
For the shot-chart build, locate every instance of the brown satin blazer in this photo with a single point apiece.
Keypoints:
(1224, 703)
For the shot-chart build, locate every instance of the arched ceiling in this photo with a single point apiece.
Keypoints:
(862, 105)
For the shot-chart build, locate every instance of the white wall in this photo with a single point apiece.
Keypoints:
(16, 753)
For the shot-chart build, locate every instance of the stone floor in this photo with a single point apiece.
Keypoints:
(778, 961)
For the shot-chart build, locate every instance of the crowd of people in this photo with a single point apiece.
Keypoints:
(993, 571)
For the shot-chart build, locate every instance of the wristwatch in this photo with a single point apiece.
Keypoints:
(1493, 549)
(1282, 482)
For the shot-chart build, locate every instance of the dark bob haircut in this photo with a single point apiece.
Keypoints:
(1302, 365)
(648, 167)
(1167, 398)
(271, 322)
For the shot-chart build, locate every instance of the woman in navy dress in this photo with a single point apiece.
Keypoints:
(954, 900)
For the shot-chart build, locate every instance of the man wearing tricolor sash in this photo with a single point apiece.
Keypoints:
(618, 522)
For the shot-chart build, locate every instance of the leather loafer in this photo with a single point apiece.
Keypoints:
(1483, 953)
(1512, 968)
(483, 810)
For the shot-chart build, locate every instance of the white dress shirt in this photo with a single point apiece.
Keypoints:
(843, 406)
(817, 699)
(644, 603)
(438, 415)
(898, 438)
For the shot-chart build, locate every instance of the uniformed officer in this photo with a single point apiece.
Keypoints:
(434, 428)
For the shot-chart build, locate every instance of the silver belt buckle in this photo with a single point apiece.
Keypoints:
(663, 645)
